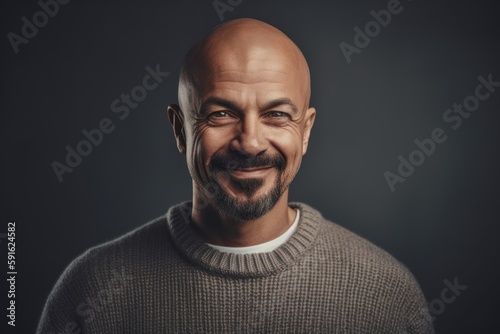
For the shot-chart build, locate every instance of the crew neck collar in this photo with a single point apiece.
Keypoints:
(196, 250)
(264, 247)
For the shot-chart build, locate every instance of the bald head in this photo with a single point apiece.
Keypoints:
(242, 46)
(244, 120)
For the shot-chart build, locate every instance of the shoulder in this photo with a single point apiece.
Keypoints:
(348, 247)
(367, 260)
(362, 269)
(121, 252)
(99, 276)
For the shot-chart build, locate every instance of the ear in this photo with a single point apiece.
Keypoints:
(309, 122)
(176, 118)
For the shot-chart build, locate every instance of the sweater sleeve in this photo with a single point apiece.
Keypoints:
(88, 295)
(419, 318)
(60, 311)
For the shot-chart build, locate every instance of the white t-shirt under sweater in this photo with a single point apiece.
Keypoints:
(265, 247)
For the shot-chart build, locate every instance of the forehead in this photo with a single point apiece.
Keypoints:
(259, 73)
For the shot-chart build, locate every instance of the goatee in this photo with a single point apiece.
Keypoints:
(250, 208)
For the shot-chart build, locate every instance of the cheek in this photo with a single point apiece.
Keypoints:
(195, 154)
(289, 144)
(205, 142)
(210, 141)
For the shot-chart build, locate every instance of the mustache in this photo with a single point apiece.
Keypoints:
(234, 161)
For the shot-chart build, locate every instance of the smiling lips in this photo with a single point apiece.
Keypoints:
(252, 172)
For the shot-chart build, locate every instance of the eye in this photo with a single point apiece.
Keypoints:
(219, 114)
(277, 118)
(221, 117)
(278, 114)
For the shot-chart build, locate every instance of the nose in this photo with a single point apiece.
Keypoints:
(250, 140)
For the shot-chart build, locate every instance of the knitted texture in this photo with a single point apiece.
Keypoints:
(162, 278)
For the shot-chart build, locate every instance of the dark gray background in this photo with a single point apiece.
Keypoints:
(442, 222)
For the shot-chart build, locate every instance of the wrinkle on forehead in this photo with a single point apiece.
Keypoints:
(244, 46)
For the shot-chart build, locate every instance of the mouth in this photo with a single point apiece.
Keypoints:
(251, 172)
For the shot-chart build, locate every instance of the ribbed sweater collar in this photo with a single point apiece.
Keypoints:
(196, 250)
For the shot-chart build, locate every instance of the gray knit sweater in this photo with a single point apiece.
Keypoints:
(162, 278)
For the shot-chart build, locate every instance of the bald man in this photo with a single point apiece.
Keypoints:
(238, 257)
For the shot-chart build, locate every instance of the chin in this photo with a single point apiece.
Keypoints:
(246, 207)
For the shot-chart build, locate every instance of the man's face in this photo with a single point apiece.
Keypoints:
(247, 132)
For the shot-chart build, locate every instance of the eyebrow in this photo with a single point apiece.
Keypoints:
(232, 106)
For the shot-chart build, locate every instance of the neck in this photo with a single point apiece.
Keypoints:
(219, 229)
